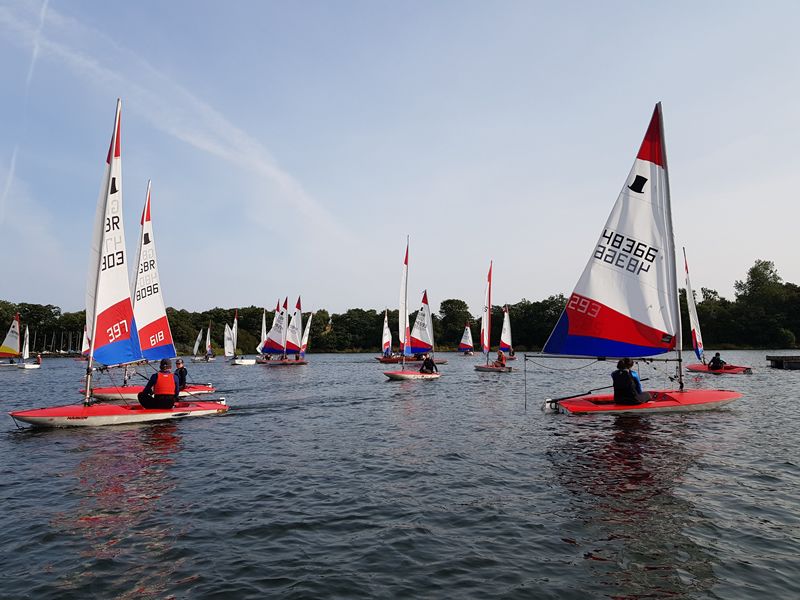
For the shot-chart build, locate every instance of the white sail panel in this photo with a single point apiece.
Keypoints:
(422, 333)
(25, 355)
(306, 332)
(209, 348)
(197, 342)
(466, 344)
(486, 315)
(149, 311)
(228, 342)
(505, 334)
(403, 331)
(294, 332)
(275, 343)
(386, 338)
(697, 338)
(625, 303)
(109, 313)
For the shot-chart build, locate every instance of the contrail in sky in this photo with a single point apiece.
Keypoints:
(34, 55)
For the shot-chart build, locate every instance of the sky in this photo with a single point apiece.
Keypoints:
(293, 146)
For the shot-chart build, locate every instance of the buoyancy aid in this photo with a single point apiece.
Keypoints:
(165, 385)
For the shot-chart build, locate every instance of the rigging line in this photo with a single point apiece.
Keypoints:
(562, 370)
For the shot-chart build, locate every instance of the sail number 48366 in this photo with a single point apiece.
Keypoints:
(624, 252)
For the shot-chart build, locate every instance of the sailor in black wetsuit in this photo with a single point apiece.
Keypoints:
(428, 366)
(716, 363)
(182, 373)
(625, 388)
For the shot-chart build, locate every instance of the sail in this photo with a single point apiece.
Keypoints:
(235, 331)
(304, 344)
(294, 333)
(10, 345)
(486, 316)
(155, 336)
(505, 335)
(26, 346)
(275, 336)
(84, 343)
(422, 334)
(263, 331)
(209, 349)
(110, 325)
(697, 339)
(228, 341)
(386, 338)
(402, 319)
(625, 304)
(197, 342)
(466, 345)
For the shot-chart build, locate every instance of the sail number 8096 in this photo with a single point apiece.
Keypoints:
(625, 253)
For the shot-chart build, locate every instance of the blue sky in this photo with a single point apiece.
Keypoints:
(292, 146)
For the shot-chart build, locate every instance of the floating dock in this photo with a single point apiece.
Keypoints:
(784, 362)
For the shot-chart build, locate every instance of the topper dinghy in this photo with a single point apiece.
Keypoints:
(626, 302)
(697, 338)
(110, 323)
(420, 339)
(497, 366)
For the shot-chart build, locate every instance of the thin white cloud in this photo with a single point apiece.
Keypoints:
(7, 187)
(168, 106)
(35, 52)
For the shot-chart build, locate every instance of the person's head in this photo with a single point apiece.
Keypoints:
(179, 363)
(166, 364)
(716, 355)
(620, 364)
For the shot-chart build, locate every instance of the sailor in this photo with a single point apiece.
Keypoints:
(39, 358)
(161, 390)
(181, 372)
(716, 363)
(627, 387)
(501, 359)
(428, 366)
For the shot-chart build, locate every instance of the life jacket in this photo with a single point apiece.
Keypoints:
(624, 387)
(165, 385)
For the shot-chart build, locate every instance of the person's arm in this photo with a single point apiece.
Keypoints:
(177, 385)
(433, 364)
(148, 389)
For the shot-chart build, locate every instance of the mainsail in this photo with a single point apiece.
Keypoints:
(155, 336)
(626, 304)
(294, 333)
(10, 345)
(422, 334)
(197, 342)
(304, 344)
(402, 318)
(697, 339)
(263, 331)
(505, 334)
(466, 344)
(110, 325)
(228, 344)
(486, 316)
(276, 335)
(209, 348)
(25, 354)
(386, 338)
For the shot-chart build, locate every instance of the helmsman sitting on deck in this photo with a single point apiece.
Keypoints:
(501, 359)
(716, 363)
(627, 388)
(161, 390)
(428, 366)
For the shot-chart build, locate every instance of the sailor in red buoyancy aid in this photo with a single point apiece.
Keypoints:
(161, 390)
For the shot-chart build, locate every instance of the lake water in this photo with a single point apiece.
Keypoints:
(329, 481)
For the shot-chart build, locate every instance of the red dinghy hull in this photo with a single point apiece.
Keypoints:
(284, 363)
(492, 369)
(725, 370)
(78, 415)
(410, 375)
(661, 401)
(131, 392)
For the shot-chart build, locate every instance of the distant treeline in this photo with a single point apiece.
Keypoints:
(764, 314)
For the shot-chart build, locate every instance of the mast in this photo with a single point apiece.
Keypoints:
(672, 266)
(404, 316)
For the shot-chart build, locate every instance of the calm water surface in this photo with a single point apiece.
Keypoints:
(328, 481)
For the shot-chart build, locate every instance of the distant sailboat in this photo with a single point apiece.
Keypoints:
(26, 354)
(466, 346)
(486, 333)
(386, 337)
(418, 340)
(505, 336)
(292, 338)
(10, 347)
(110, 323)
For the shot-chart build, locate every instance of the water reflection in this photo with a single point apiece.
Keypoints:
(122, 483)
(621, 477)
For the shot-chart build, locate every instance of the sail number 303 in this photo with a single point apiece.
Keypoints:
(625, 253)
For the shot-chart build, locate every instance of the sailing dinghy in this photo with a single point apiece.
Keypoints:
(486, 332)
(293, 339)
(110, 323)
(505, 336)
(697, 339)
(420, 339)
(231, 343)
(626, 302)
(466, 346)
(10, 347)
(26, 353)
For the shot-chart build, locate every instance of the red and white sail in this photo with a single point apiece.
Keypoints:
(626, 303)
(402, 319)
(294, 332)
(10, 345)
(149, 311)
(306, 331)
(505, 334)
(276, 336)
(697, 338)
(466, 344)
(422, 333)
(110, 324)
(486, 315)
(386, 338)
